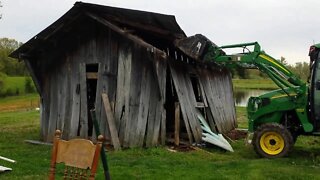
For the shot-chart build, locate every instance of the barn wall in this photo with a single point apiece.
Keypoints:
(133, 78)
(214, 86)
(135, 81)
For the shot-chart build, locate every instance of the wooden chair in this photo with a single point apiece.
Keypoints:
(80, 157)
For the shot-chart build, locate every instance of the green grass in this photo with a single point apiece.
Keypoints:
(157, 163)
(265, 84)
(242, 117)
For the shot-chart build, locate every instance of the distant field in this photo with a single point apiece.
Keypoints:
(16, 85)
(265, 84)
(22, 102)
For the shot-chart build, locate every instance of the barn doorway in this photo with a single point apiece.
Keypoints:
(92, 77)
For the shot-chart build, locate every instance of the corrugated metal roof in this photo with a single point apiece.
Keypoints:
(160, 25)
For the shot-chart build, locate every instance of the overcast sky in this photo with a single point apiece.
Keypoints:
(282, 27)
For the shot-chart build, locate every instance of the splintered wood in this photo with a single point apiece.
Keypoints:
(215, 89)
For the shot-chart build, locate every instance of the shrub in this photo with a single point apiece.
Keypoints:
(28, 86)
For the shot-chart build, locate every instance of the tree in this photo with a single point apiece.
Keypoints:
(301, 69)
(10, 66)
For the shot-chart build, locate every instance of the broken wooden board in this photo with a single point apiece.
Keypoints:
(187, 100)
(218, 92)
(3, 169)
(111, 122)
(7, 159)
(38, 142)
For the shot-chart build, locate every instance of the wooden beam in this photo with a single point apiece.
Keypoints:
(111, 122)
(92, 75)
(177, 124)
(127, 35)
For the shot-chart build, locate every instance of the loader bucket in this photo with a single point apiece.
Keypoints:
(195, 46)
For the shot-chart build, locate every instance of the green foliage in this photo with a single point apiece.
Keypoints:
(2, 78)
(10, 66)
(266, 84)
(301, 69)
(29, 86)
(16, 86)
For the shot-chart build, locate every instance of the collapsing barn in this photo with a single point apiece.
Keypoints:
(130, 56)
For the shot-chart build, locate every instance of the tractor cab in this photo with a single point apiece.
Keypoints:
(314, 94)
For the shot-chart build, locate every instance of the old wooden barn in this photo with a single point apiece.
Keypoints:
(130, 56)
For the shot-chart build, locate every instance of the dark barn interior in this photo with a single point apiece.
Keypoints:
(131, 56)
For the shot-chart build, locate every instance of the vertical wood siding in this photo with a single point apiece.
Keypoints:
(135, 81)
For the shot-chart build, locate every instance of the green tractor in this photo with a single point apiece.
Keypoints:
(278, 117)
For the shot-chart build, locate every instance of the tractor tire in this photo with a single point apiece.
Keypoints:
(272, 140)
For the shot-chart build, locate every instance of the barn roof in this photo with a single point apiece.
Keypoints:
(159, 25)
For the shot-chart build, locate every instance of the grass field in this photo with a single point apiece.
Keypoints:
(265, 84)
(155, 163)
(14, 86)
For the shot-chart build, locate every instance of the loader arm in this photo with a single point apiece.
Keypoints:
(257, 59)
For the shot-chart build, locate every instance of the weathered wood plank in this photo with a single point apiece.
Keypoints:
(123, 90)
(192, 104)
(68, 101)
(211, 97)
(177, 125)
(218, 90)
(156, 126)
(44, 110)
(135, 39)
(92, 75)
(161, 71)
(109, 48)
(210, 119)
(154, 121)
(83, 101)
(111, 122)
(43, 130)
(143, 105)
(134, 97)
(53, 107)
(74, 123)
(182, 99)
(61, 98)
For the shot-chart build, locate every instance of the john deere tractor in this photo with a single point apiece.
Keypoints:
(278, 117)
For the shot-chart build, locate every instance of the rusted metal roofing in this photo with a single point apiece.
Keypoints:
(159, 25)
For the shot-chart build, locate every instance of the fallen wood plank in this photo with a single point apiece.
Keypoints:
(3, 169)
(111, 122)
(7, 159)
(37, 142)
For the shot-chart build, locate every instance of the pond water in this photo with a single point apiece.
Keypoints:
(242, 96)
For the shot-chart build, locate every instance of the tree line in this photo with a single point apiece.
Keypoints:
(12, 67)
(300, 69)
